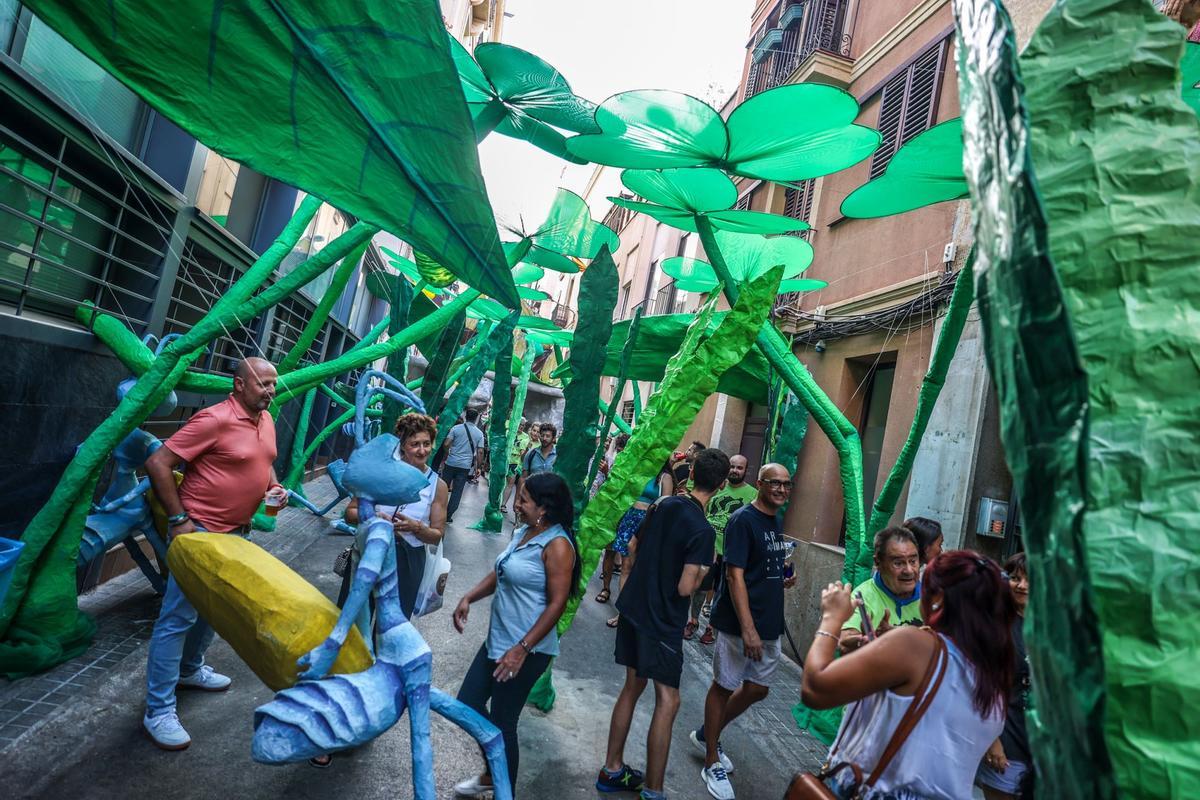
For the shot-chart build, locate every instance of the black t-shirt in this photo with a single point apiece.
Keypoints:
(681, 472)
(675, 533)
(1015, 739)
(753, 542)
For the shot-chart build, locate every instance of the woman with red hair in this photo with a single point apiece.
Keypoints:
(926, 702)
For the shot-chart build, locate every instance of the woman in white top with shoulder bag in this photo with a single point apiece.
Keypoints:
(923, 704)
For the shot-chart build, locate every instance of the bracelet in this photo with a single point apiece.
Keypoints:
(526, 647)
(178, 519)
(826, 633)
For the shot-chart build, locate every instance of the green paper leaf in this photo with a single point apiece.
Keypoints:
(739, 221)
(672, 217)
(653, 129)
(529, 293)
(532, 323)
(802, 285)
(530, 86)
(693, 190)
(487, 308)
(551, 260)
(797, 132)
(570, 230)
(926, 170)
(1191, 76)
(551, 338)
(747, 255)
(527, 273)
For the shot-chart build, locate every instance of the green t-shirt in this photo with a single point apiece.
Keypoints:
(877, 599)
(520, 445)
(722, 505)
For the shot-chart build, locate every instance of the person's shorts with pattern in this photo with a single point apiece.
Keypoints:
(626, 528)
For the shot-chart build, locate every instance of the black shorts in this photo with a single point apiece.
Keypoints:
(711, 581)
(649, 658)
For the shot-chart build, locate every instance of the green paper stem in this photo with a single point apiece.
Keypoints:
(610, 412)
(397, 362)
(492, 520)
(476, 365)
(298, 459)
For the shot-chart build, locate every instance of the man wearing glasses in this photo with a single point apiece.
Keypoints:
(748, 617)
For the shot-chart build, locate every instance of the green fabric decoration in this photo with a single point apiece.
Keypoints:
(675, 196)
(363, 99)
(492, 520)
(926, 170)
(296, 459)
(438, 368)
(931, 387)
(659, 338)
(792, 428)
(333, 292)
(747, 255)
(1040, 384)
(597, 299)
(1119, 174)
(842, 434)
(609, 412)
(527, 273)
(432, 272)
(705, 353)
(517, 94)
(399, 310)
(477, 364)
(531, 294)
(789, 133)
(40, 620)
(567, 234)
(637, 402)
(1191, 76)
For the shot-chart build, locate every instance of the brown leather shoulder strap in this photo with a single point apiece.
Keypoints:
(922, 699)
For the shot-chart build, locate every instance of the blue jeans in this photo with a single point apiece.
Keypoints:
(176, 648)
(456, 480)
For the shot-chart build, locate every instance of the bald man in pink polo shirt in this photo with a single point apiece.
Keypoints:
(229, 449)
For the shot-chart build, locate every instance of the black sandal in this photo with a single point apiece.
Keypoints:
(603, 595)
(316, 761)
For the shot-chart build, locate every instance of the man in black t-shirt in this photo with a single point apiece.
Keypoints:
(667, 559)
(748, 617)
(682, 470)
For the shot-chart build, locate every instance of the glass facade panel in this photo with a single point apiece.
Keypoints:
(216, 186)
(8, 23)
(97, 96)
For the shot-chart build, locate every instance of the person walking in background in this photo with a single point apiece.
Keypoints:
(530, 584)
(969, 657)
(667, 559)
(928, 533)
(736, 493)
(748, 617)
(520, 445)
(462, 457)
(1006, 772)
(892, 595)
(230, 451)
(660, 485)
(540, 457)
(681, 468)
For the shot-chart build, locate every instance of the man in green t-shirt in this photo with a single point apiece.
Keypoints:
(892, 596)
(735, 494)
(521, 443)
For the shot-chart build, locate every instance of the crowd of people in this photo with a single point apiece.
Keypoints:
(926, 656)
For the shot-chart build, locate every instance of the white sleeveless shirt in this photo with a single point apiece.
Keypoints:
(939, 759)
(418, 510)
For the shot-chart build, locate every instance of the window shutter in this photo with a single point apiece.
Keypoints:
(908, 104)
(743, 203)
(891, 116)
(797, 203)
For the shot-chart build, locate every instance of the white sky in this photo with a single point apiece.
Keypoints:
(604, 47)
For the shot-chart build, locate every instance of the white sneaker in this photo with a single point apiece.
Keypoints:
(472, 787)
(166, 732)
(726, 764)
(717, 781)
(206, 679)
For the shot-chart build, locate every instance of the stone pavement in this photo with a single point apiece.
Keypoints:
(75, 731)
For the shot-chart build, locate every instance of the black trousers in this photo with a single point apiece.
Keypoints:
(456, 479)
(507, 699)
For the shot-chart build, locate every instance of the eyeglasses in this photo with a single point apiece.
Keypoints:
(778, 484)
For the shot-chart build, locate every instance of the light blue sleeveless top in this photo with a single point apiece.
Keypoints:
(521, 594)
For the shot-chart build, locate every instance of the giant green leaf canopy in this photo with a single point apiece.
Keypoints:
(357, 102)
(748, 256)
(789, 133)
(568, 234)
(926, 170)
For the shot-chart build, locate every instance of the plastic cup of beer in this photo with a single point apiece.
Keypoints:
(274, 503)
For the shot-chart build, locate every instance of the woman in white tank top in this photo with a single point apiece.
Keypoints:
(967, 604)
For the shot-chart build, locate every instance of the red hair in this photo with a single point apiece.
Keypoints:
(976, 611)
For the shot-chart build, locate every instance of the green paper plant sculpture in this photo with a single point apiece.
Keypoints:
(568, 234)
(515, 93)
(789, 133)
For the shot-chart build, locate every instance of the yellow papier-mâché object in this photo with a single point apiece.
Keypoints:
(268, 613)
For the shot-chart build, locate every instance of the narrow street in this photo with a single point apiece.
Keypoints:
(76, 731)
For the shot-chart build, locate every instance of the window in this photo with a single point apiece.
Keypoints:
(9, 9)
(72, 229)
(623, 303)
(797, 203)
(327, 225)
(743, 203)
(287, 323)
(627, 411)
(94, 94)
(216, 186)
(908, 104)
(202, 279)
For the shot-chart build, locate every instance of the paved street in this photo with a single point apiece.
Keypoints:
(76, 732)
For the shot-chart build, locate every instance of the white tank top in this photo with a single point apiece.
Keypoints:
(418, 510)
(941, 755)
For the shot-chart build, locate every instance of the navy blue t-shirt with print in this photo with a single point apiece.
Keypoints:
(675, 533)
(753, 542)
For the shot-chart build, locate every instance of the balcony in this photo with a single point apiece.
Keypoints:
(667, 300)
(563, 316)
(809, 33)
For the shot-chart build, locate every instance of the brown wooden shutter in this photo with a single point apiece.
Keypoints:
(908, 104)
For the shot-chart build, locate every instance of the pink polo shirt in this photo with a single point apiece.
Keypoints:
(229, 454)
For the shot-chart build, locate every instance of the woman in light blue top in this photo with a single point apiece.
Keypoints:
(532, 580)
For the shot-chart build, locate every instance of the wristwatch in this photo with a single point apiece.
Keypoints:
(177, 519)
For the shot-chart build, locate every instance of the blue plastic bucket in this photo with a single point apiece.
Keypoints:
(10, 551)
